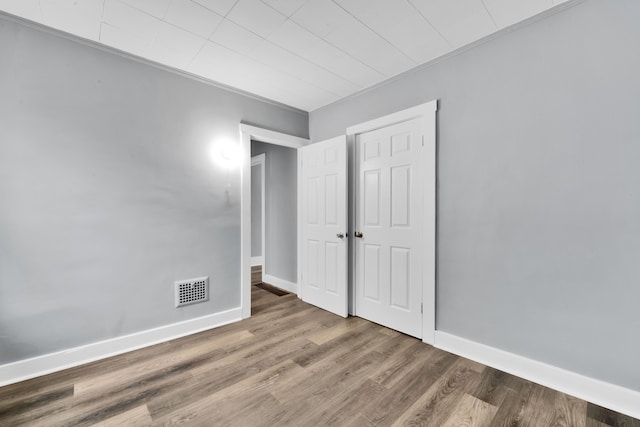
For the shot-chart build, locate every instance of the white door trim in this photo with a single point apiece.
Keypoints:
(272, 137)
(601, 393)
(260, 159)
(426, 112)
(419, 111)
(248, 133)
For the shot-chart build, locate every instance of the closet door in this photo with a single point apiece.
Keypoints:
(389, 220)
(324, 225)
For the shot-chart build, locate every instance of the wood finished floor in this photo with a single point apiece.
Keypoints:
(293, 364)
(256, 275)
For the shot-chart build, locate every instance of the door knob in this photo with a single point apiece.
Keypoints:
(358, 234)
(340, 236)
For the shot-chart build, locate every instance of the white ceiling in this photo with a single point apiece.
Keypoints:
(303, 53)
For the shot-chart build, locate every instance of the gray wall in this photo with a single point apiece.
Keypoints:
(281, 198)
(256, 210)
(538, 196)
(108, 193)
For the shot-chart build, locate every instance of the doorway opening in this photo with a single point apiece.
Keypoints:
(270, 142)
(257, 217)
(274, 214)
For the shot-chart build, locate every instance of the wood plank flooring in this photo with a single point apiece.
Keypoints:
(293, 364)
(256, 275)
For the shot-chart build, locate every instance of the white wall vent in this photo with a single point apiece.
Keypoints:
(192, 291)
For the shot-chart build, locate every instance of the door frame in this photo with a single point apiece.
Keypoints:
(248, 133)
(256, 160)
(426, 112)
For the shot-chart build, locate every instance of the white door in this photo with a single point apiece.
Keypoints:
(324, 225)
(388, 229)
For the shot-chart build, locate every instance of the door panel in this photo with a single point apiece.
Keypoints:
(324, 202)
(313, 260)
(400, 196)
(400, 275)
(371, 196)
(331, 250)
(388, 209)
(371, 264)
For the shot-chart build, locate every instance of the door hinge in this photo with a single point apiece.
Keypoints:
(421, 307)
(423, 140)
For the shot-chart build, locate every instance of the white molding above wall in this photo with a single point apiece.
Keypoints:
(53, 362)
(146, 61)
(280, 283)
(256, 260)
(619, 399)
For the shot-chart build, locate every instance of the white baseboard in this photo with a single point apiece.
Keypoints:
(620, 399)
(256, 260)
(42, 365)
(280, 283)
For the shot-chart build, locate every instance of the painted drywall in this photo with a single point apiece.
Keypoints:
(281, 198)
(256, 210)
(109, 192)
(538, 197)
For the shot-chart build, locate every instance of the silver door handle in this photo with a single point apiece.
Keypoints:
(340, 236)
(358, 234)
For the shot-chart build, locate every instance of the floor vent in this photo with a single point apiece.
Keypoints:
(192, 291)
